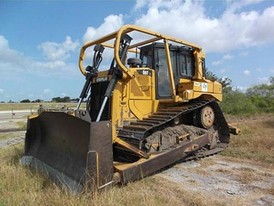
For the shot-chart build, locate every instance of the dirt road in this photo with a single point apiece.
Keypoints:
(10, 131)
(14, 114)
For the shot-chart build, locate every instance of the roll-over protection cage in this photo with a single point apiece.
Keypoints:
(151, 36)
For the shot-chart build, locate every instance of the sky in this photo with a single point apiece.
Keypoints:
(40, 40)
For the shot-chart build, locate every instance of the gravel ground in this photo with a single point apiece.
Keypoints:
(230, 180)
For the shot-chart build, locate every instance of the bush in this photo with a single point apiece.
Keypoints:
(25, 101)
(257, 99)
(61, 99)
(235, 102)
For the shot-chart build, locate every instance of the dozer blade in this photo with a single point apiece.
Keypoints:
(75, 153)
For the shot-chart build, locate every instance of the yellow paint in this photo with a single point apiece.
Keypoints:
(170, 71)
(134, 96)
(188, 89)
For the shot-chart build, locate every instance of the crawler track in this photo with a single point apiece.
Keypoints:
(136, 132)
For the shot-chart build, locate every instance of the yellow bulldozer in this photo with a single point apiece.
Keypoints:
(151, 108)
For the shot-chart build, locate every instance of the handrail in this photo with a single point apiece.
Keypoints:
(117, 37)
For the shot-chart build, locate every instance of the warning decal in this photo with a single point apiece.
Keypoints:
(204, 87)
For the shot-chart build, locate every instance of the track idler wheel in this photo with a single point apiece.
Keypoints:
(205, 117)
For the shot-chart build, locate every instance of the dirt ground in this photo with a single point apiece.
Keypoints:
(229, 179)
(232, 181)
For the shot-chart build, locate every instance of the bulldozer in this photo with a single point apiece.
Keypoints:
(151, 108)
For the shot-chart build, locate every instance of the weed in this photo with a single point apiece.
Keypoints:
(20, 186)
(255, 142)
(7, 135)
(271, 190)
(22, 125)
(3, 136)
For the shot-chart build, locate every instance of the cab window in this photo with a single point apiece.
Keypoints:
(185, 64)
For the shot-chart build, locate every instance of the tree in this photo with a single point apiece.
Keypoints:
(25, 101)
(262, 90)
(262, 96)
(61, 99)
(38, 100)
(225, 81)
(236, 102)
(271, 79)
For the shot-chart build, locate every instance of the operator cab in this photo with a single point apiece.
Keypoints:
(182, 60)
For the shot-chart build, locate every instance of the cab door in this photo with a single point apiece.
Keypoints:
(162, 76)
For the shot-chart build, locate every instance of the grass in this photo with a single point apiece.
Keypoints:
(256, 141)
(4, 136)
(22, 125)
(247, 176)
(7, 135)
(20, 186)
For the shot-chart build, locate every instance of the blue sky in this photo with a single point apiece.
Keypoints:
(40, 40)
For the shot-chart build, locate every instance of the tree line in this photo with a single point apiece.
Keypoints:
(54, 99)
(256, 99)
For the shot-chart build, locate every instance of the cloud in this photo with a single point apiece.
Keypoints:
(58, 51)
(111, 23)
(235, 28)
(1, 91)
(46, 91)
(215, 63)
(244, 53)
(247, 72)
(235, 5)
(13, 61)
(139, 4)
(50, 64)
(223, 71)
(226, 57)
(264, 80)
(4, 44)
